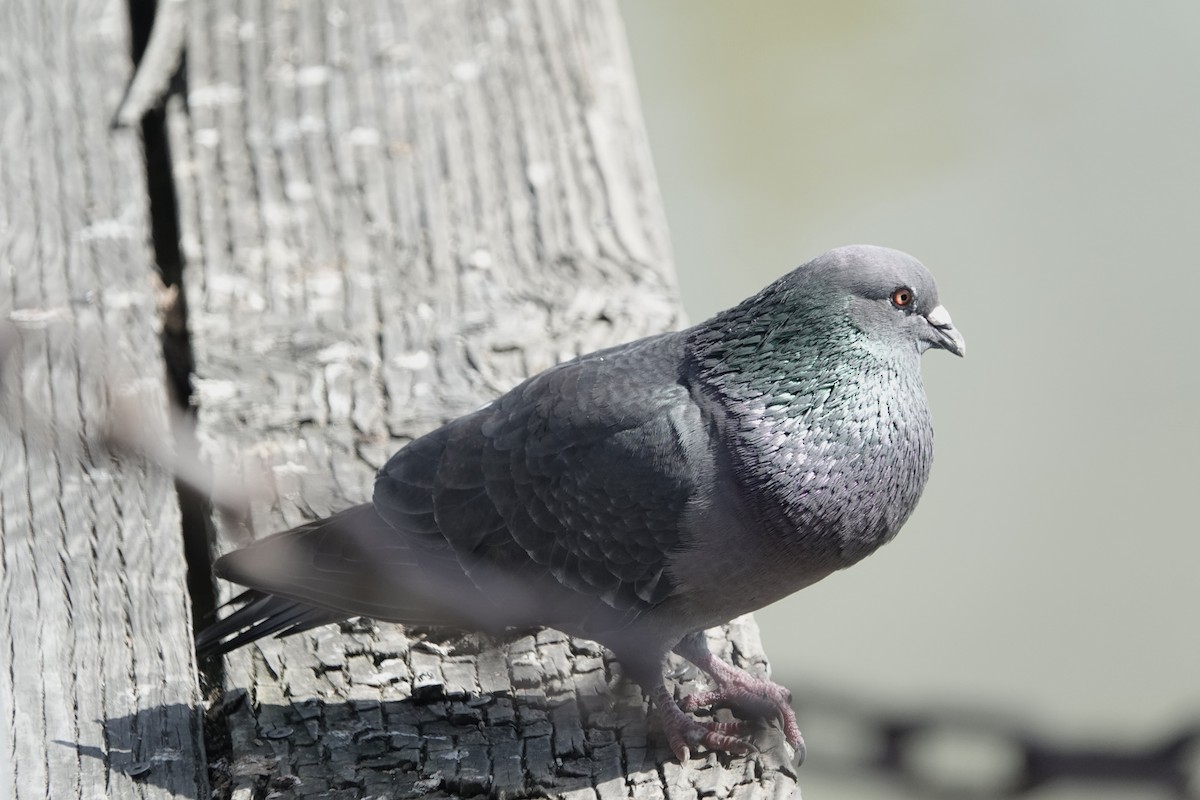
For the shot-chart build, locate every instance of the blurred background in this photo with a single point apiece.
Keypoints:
(1041, 159)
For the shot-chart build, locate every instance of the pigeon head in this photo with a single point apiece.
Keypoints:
(886, 294)
(843, 310)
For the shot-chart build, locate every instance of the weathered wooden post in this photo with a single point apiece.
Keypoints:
(393, 211)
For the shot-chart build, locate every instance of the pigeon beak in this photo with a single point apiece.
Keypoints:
(944, 334)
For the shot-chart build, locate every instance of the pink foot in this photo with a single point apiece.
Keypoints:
(759, 697)
(684, 732)
(740, 689)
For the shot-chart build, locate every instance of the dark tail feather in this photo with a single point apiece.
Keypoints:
(260, 615)
(355, 563)
(350, 564)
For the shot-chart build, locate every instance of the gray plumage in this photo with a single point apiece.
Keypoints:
(641, 494)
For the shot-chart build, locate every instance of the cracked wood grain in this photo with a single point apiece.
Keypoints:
(98, 692)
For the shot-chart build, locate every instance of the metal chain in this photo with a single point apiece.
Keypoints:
(954, 754)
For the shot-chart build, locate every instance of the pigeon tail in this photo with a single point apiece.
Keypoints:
(347, 565)
(260, 615)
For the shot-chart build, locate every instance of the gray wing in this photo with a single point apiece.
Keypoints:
(573, 485)
(557, 504)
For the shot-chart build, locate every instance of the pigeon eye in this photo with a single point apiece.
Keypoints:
(902, 297)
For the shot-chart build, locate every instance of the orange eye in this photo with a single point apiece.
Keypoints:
(902, 298)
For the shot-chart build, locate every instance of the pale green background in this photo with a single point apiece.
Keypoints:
(1040, 156)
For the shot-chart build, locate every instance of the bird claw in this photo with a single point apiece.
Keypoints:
(735, 687)
(758, 696)
(684, 733)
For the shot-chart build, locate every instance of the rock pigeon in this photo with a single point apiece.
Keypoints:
(641, 494)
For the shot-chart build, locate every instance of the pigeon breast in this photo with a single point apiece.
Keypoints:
(827, 434)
